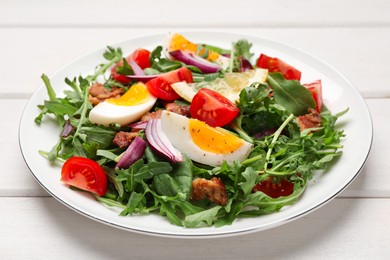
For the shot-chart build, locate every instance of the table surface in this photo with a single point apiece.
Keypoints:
(41, 36)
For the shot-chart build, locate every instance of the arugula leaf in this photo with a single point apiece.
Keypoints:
(133, 205)
(49, 88)
(243, 49)
(240, 50)
(74, 108)
(125, 69)
(112, 53)
(172, 206)
(139, 172)
(250, 176)
(207, 216)
(113, 56)
(258, 112)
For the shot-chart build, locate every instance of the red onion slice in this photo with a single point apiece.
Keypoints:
(133, 153)
(142, 78)
(245, 64)
(190, 59)
(160, 142)
(139, 125)
(139, 73)
(68, 129)
(136, 68)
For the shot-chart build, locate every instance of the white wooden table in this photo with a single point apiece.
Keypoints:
(41, 36)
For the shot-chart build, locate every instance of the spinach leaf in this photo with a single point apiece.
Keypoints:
(290, 94)
(161, 64)
(101, 135)
(177, 181)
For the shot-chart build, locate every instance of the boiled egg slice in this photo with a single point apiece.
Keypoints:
(177, 41)
(124, 110)
(202, 143)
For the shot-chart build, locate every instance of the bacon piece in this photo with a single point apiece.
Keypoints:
(173, 107)
(123, 139)
(310, 120)
(213, 190)
(178, 109)
(98, 93)
(151, 115)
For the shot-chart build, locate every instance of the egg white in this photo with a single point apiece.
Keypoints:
(176, 128)
(106, 113)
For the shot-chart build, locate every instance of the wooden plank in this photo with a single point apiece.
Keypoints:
(228, 13)
(342, 229)
(19, 181)
(23, 61)
(375, 173)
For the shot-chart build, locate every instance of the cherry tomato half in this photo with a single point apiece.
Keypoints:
(139, 56)
(119, 77)
(160, 86)
(85, 174)
(315, 88)
(277, 65)
(212, 108)
(275, 189)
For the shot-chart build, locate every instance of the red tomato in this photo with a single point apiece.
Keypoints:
(140, 56)
(212, 108)
(160, 86)
(315, 88)
(119, 77)
(277, 65)
(84, 174)
(275, 189)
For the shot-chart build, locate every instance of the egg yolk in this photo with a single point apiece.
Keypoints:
(213, 139)
(137, 94)
(178, 42)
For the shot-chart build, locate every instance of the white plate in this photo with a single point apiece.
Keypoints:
(338, 94)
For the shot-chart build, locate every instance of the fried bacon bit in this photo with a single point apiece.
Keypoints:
(151, 115)
(213, 190)
(123, 139)
(178, 109)
(172, 107)
(310, 120)
(98, 93)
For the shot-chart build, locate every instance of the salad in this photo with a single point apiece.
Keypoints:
(199, 134)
